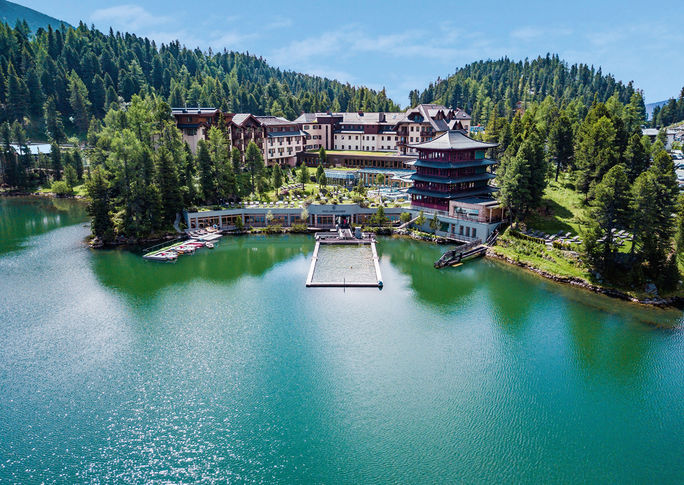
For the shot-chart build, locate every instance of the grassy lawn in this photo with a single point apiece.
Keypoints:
(539, 256)
(562, 210)
(78, 190)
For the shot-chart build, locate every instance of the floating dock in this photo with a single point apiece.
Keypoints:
(171, 252)
(346, 260)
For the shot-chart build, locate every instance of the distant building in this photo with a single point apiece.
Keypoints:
(279, 139)
(283, 140)
(380, 131)
(194, 123)
(652, 133)
(353, 136)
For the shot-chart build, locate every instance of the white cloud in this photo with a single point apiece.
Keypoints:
(280, 23)
(128, 17)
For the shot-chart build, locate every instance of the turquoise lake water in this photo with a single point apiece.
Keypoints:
(225, 367)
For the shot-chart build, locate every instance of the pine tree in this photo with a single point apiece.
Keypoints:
(35, 93)
(70, 176)
(610, 210)
(78, 99)
(56, 158)
(207, 173)
(17, 95)
(77, 163)
(560, 142)
(99, 207)
(167, 181)
(277, 177)
(636, 157)
(254, 161)
(53, 121)
(303, 175)
(319, 173)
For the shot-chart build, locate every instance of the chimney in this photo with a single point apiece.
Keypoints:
(360, 112)
(381, 117)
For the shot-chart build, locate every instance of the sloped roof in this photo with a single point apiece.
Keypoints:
(193, 111)
(306, 118)
(274, 121)
(240, 118)
(453, 140)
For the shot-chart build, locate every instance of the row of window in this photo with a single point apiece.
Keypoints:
(437, 187)
(369, 137)
(356, 147)
(280, 140)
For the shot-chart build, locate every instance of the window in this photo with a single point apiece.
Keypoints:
(474, 232)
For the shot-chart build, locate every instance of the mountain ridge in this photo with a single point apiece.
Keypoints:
(10, 12)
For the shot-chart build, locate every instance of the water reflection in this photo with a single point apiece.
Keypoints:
(233, 258)
(441, 289)
(601, 344)
(24, 217)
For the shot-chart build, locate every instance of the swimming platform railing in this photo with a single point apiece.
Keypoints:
(344, 237)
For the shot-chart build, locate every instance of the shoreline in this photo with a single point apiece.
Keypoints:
(670, 302)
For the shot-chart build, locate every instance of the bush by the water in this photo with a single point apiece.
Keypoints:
(61, 189)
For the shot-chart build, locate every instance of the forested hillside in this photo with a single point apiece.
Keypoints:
(671, 112)
(500, 85)
(56, 80)
(11, 13)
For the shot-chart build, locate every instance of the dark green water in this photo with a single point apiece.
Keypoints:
(224, 367)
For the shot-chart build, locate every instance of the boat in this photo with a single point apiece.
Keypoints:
(210, 245)
(168, 256)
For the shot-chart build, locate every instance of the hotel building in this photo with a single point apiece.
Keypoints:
(450, 167)
(279, 139)
(383, 132)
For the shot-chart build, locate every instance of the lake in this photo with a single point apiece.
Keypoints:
(225, 367)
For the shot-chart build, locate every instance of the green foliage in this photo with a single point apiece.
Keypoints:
(522, 179)
(277, 177)
(610, 211)
(85, 71)
(420, 221)
(56, 161)
(303, 175)
(672, 112)
(405, 217)
(434, 223)
(484, 87)
(379, 218)
(560, 142)
(254, 161)
(596, 149)
(139, 162)
(61, 188)
(299, 228)
(70, 176)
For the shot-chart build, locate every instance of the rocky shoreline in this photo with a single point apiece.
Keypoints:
(577, 282)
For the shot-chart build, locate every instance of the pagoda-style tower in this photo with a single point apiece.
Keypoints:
(449, 167)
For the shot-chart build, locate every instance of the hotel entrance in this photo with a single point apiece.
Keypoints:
(343, 221)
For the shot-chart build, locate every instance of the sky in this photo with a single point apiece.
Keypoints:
(404, 45)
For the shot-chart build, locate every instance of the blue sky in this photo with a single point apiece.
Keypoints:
(404, 45)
